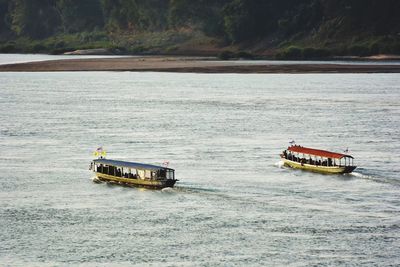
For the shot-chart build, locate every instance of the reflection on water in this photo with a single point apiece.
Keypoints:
(234, 204)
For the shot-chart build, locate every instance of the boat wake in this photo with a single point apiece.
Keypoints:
(363, 176)
(375, 178)
(169, 190)
(279, 164)
(95, 180)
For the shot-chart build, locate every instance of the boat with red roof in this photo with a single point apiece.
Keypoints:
(317, 160)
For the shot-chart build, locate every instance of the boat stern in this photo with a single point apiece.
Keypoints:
(170, 182)
(349, 169)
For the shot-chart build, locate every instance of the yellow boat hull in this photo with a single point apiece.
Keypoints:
(155, 184)
(320, 169)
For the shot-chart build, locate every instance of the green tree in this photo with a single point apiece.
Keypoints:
(247, 19)
(238, 22)
(120, 14)
(78, 15)
(35, 18)
(136, 15)
(205, 15)
(4, 17)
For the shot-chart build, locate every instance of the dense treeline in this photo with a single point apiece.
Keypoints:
(363, 26)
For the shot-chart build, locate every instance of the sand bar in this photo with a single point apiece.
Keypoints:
(193, 64)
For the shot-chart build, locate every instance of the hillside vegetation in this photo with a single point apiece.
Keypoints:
(231, 28)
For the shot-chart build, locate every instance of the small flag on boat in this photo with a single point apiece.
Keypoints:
(346, 150)
(99, 152)
(165, 163)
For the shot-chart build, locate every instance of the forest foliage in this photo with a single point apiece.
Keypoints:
(363, 26)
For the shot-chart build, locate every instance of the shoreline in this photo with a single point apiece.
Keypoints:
(194, 65)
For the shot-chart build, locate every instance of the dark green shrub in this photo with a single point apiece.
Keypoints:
(292, 52)
(8, 48)
(226, 55)
(244, 54)
(137, 49)
(59, 44)
(39, 48)
(358, 50)
(396, 48)
(391, 48)
(375, 48)
(315, 53)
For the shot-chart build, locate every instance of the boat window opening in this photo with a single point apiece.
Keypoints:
(108, 171)
(112, 170)
(162, 173)
(125, 173)
(140, 174)
(147, 174)
(170, 174)
(132, 174)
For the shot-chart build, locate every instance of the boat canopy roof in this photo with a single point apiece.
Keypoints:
(132, 165)
(317, 152)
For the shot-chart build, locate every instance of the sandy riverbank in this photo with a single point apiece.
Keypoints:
(195, 64)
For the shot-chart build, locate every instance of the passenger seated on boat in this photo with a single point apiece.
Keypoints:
(126, 175)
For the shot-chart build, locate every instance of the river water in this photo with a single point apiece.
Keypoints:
(23, 58)
(234, 204)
